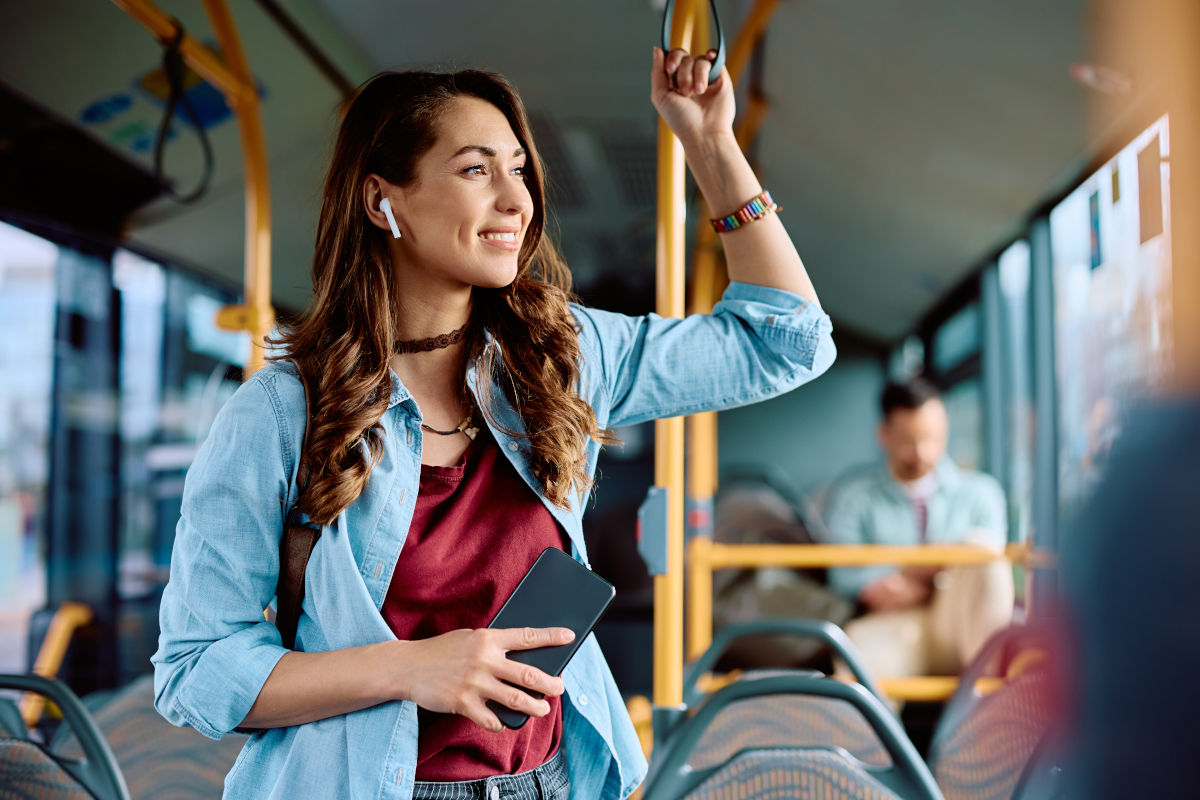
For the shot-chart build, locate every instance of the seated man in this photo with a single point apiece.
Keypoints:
(926, 620)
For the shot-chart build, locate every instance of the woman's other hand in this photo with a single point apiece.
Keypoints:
(693, 108)
(459, 671)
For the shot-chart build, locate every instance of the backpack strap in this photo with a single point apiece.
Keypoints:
(300, 535)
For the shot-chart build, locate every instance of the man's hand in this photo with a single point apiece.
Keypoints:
(897, 591)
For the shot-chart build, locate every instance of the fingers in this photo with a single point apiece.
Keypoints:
(530, 638)
(478, 712)
(683, 73)
(700, 69)
(516, 698)
(531, 678)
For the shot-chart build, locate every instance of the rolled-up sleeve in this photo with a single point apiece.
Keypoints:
(757, 343)
(215, 649)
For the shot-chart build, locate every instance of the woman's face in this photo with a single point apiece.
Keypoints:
(465, 215)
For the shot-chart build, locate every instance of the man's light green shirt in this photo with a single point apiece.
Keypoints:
(872, 508)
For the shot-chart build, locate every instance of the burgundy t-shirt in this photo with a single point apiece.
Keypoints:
(476, 530)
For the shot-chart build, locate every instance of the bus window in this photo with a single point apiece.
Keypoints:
(27, 283)
(1112, 284)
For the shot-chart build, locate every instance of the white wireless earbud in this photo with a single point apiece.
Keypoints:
(385, 205)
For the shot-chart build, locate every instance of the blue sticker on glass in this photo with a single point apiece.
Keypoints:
(106, 109)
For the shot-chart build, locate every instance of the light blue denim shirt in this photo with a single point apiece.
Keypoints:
(872, 508)
(216, 651)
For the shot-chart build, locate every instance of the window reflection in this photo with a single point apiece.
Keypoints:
(964, 406)
(1016, 342)
(178, 369)
(111, 372)
(26, 365)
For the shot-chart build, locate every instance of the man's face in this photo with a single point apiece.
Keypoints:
(914, 439)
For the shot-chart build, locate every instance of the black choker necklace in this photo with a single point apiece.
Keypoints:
(432, 343)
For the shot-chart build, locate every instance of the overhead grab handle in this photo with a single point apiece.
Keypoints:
(719, 61)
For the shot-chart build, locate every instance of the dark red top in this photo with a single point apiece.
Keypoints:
(476, 530)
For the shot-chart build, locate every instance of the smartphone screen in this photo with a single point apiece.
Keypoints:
(556, 592)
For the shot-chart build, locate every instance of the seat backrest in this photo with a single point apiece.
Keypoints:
(157, 758)
(787, 720)
(791, 772)
(29, 768)
(988, 753)
(27, 772)
(713, 753)
(1008, 650)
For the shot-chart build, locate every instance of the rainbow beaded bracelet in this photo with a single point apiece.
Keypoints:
(759, 207)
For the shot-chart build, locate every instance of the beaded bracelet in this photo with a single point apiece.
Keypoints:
(757, 208)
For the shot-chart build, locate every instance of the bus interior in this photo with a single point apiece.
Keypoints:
(996, 198)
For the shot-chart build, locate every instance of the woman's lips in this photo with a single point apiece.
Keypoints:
(502, 240)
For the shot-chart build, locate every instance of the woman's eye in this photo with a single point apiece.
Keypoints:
(522, 171)
(474, 169)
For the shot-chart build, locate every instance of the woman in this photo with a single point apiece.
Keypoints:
(459, 402)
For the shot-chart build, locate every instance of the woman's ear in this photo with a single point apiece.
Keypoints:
(377, 205)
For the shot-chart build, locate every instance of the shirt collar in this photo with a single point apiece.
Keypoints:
(400, 393)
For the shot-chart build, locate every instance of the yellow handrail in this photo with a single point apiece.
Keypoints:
(924, 688)
(706, 556)
(931, 688)
(232, 77)
(716, 555)
(66, 620)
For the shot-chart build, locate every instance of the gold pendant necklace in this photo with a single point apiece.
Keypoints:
(465, 427)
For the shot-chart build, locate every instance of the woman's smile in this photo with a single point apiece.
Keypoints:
(502, 238)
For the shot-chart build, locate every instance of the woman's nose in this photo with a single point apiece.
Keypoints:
(513, 197)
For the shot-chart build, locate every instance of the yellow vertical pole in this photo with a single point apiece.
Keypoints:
(668, 433)
(700, 595)
(701, 488)
(259, 315)
(708, 281)
(700, 448)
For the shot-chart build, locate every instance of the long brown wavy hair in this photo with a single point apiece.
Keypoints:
(343, 341)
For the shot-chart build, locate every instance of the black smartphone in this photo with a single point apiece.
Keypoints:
(556, 592)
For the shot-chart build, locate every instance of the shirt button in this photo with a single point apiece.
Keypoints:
(403, 495)
(495, 793)
(399, 776)
(410, 435)
(583, 699)
(512, 446)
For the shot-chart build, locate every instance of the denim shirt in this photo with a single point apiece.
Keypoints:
(872, 508)
(215, 649)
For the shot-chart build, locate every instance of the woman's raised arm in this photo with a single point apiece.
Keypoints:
(701, 115)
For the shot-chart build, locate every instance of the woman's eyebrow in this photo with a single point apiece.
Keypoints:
(486, 151)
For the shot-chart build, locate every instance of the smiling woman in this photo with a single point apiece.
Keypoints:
(438, 412)
(453, 155)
